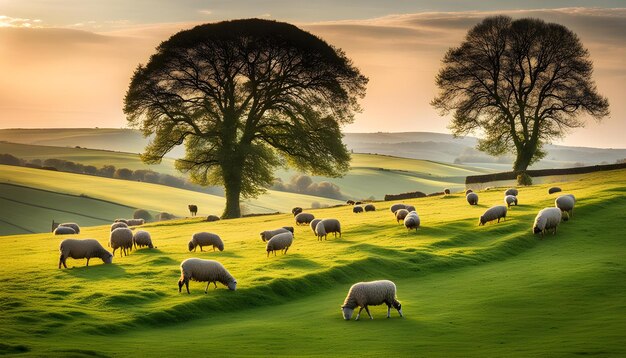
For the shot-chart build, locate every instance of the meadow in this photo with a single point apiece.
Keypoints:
(466, 290)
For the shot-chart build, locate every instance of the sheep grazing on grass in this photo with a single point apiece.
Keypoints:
(370, 207)
(566, 203)
(120, 221)
(304, 218)
(141, 239)
(468, 191)
(373, 293)
(412, 221)
(554, 189)
(297, 210)
(209, 271)
(118, 224)
(472, 198)
(121, 238)
(64, 230)
(357, 209)
(313, 224)
(280, 242)
(396, 207)
(331, 226)
(511, 191)
(268, 234)
(410, 208)
(548, 219)
(446, 191)
(135, 222)
(83, 249)
(350, 202)
(510, 200)
(205, 239)
(320, 231)
(193, 209)
(74, 226)
(401, 214)
(289, 228)
(212, 218)
(493, 213)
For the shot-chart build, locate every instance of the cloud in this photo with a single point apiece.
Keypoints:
(205, 12)
(6, 21)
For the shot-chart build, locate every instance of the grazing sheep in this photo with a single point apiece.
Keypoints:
(118, 224)
(297, 210)
(81, 249)
(373, 293)
(72, 225)
(412, 221)
(120, 221)
(304, 218)
(193, 209)
(370, 207)
(510, 200)
(205, 239)
(350, 202)
(268, 234)
(212, 218)
(554, 189)
(468, 191)
(511, 191)
(401, 214)
(357, 203)
(472, 198)
(410, 208)
(396, 207)
(357, 209)
(313, 224)
(320, 231)
(548, 218)
(566, 203)
(280, 242)
(332, 226)
(209, 271)
(493, 213)
(288, 228)
(446, 191)
(142, 238)
(121, 238)
(64, 230)
(135, 222)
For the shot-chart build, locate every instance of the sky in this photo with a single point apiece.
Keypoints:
(67, 63)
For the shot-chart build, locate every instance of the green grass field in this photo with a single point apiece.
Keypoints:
(466, 290)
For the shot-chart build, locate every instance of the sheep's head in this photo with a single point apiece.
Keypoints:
(347, 312)
(220, 246)
(564, 216)
(481, 220)
(108, 258)
(262, 236)
(232, 285)
(397, 305)
(181, 282)
(191, 246)
(537, 230)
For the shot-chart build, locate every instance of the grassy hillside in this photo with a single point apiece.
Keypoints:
(466, 290)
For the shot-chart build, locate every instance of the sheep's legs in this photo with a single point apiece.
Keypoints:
(358, 314)
(87, 262)
(207, 287)
(368, 312)
(388, 311)
(62, 261)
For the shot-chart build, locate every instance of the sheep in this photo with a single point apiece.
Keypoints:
(74, 226)
(396, 207)
(511, 191)
(472, 198)
(268, 234)
(373, 293)
(358, 202)
(142, 238)
(288, 228)
(80, 249)
(209, 271)
(313, 224)
(410, 208)
(121, 238)
(304, 218)
(320, 231)
(297, 210)
(193, 209)
(468, 191)
(118, 224)
(350, 202)
(493, 213)
(412, 221)
(548, 218)
(135, 222)
(205, 239)
(566, 203)
(554, 189)
(401, 214)
(446, 191)
(280, 242)
(212, 218)
(64, 230)
(510, 200)
(357, 209)
(125, 221)
(331, 226)
(370, 207)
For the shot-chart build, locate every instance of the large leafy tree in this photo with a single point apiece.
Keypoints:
(522, 83)
(246, 96)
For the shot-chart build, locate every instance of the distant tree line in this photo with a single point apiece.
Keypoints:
(303, 184)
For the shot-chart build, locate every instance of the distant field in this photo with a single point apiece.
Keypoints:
(489, 291)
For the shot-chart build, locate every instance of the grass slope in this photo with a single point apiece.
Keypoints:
(466, 290)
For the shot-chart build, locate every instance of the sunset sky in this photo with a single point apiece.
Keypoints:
(67, 63)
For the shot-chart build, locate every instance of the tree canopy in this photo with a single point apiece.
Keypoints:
(246, 96)
(522, 82)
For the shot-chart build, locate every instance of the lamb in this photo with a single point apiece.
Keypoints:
(193, 209)
(510, 200)
(554, 189)
(548, 218)
(209, 271)
(468, 191)
(511, 191)
(566, 203)
(396, 207)
(212, 218)
(205, 239)
(370, 207)
(280, 242)
(320, 231)
(80, 249)
(313, 224)
(142, 238)
(412, 221)
(446, 191)
(357, 209)
(268, 234)
(74, 226)
(401, 214)
(304, 218)
(373, 293)
(121, 238)
(331, 226)
(297, 210)
(472, 198)
(64, 230)
(493, 213)
(135, 222)
(118, 224)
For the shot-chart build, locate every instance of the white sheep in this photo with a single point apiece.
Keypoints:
(74, 226)
(493, 213)
(209, 271)
(566, 203)
(511, 191)
(205, 239)
(401, 214)
(121, 238)
(81, 249)
(320, 231)
(396, 207)
(268, 234)
(510, 200)
(313, 224)
(373, 293)
(64, 230)
(332, 226)
(304, 218)
(118, 224)
(412, 221)
(280, 242)
(142, 238)
(548, 219)
(472, 198)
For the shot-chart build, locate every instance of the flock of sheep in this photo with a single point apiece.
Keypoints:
(362, 294)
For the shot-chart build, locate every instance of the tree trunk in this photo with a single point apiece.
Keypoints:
(233, 192)
(524, 157)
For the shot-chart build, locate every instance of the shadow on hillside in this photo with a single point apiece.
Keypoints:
(96, 272)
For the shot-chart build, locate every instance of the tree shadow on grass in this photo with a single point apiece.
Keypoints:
(96, 272)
